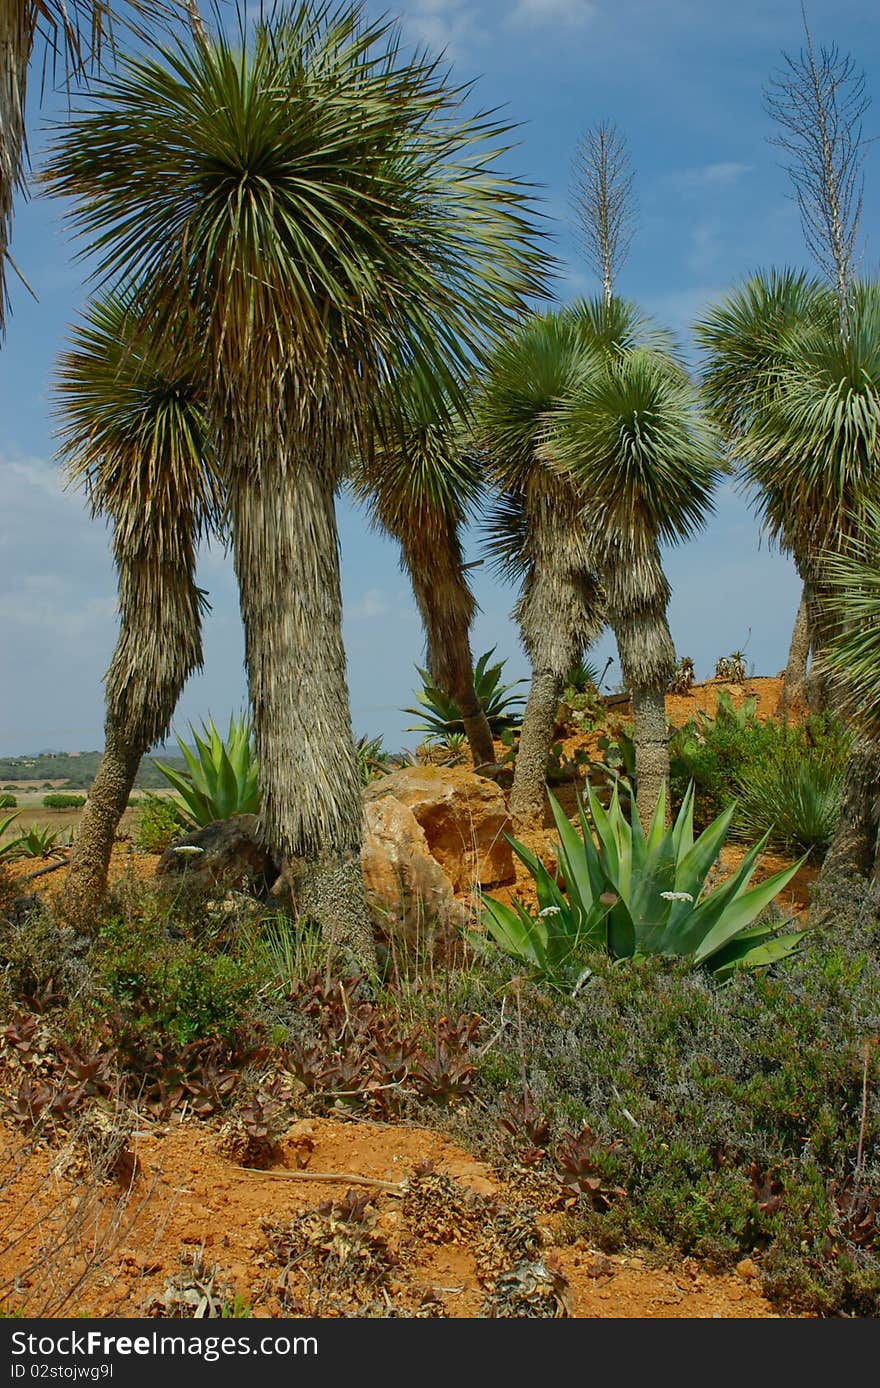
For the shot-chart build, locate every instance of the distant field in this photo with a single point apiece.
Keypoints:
(31, 811)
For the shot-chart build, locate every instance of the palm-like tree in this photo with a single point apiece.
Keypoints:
(827, 414)
(745, 341)
(631, 434)
(538, 532)
(77, 31)
(313, 207)
(419, 477)
(133, 435)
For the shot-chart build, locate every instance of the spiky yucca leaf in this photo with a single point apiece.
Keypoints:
(77, 32)
(631, 435)
(744, 341)
(811, 452)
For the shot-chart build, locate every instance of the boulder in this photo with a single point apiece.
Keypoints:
(463, 817)
(410, 895)
(223, 855)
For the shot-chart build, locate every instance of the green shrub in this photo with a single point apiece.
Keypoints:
(159, 823)
(7, 801)
(736, 1110)
(178, 986)
(59, 801)
(793, 798)
(719, 755)
(441, 715)
(39, 841)
(634, 894)
(220, 779)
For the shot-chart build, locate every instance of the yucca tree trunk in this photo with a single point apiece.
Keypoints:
(794, 684)
(638, 593)
(286, 552)
(158, 648)
(560, 615)
(433, 559)
(855, 848)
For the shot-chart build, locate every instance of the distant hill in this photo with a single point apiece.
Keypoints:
(77, 769)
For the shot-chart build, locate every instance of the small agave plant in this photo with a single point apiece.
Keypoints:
(221, 777)
(632, 894)
(441, 715)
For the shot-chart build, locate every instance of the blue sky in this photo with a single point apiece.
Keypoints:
(683, 80)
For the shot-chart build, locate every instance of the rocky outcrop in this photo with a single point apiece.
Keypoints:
(463, 817)
(409, 893)
(220, 857)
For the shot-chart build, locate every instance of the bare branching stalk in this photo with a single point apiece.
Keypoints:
(604, 201)
(818, 100)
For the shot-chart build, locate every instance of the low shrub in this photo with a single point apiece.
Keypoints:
(634, 893)
(59, 801)
(741, 1119)
(177, 985)
(7, 801)
(793, 798)
(159, 823)
(721, 755)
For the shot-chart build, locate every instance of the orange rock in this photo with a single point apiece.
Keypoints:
(463, 817)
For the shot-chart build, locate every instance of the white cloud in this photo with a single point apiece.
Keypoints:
(720, 175)
(374, 603)
(442, 26)
(567, 14)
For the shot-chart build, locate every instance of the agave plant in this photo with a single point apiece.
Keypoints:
(441, 715)
(221, 777)
(7, 850)
(634, 893)
(35, 842)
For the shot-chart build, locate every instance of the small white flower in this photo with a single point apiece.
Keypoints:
(188, 849)
(676, 896)
(551, 911)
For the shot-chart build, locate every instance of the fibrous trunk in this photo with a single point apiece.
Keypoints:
(637, 593)
(158, 648)
(855, 847)
(794, 684)
(287, 563)
(560, 615)
(432, 556)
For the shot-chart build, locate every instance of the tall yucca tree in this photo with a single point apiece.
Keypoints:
(745, 341)
(132, 434)
(827, 414)
(631, 434)
(77, 31)
(313, 206)
(419, 477)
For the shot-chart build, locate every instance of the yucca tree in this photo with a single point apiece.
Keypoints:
(828, 413)
(852, 658)
(745, 342)
(132, 431)
(537, 531)
(313, 206)
(419, 477)
(77, 32)
(630, 433)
